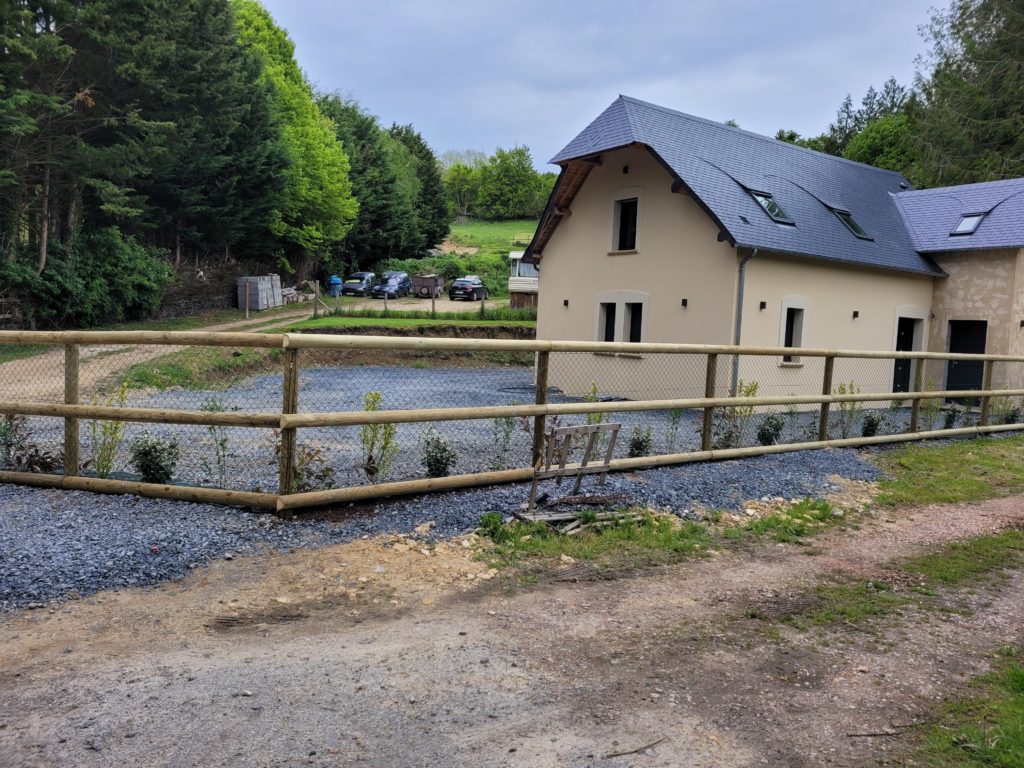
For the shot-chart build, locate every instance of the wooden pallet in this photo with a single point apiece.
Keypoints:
(559, 444)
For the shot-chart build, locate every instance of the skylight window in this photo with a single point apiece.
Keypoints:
(851, 224)
(968, 224)
(772, 207)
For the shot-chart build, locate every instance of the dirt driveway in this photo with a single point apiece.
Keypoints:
(390, 653)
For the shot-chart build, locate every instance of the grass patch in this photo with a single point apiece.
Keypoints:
(402, 322)
(968, 470)
(976, 561)
(200, 368)
(986, 729)
(507, 235)
(793, 525)
(626, 541)
(10, 352)
(503, 313)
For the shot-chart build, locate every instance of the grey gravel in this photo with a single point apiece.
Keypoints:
(56, 544)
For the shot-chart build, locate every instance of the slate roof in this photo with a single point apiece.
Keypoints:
(719, 164)
(931, 215)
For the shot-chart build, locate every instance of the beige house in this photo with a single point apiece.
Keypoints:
(665, 227)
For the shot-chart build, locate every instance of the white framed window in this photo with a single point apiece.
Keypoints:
(626, 221)
(792, 326)
(621, 316)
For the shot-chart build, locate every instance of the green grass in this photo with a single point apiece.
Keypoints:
(974, 562)
(490, 313)
(402, 322)
(10, 352)
(626, 541)
(493, 234)
(984, 730)
(200, 368)
(968, 470)
(795, 524)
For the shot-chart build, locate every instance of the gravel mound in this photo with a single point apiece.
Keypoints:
(55, 544)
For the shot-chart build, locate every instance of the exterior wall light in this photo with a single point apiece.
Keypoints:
(565, 303)
(686, 302)
(763, 306)
(856, 314)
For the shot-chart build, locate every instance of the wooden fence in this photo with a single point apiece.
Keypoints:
(288, 421)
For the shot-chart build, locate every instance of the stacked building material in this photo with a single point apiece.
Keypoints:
(264, 291)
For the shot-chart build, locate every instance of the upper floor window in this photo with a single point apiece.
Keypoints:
(771, 206)
(625, 224)
(851, 223)
(968, 224)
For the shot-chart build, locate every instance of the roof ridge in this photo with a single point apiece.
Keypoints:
(716, 123)
(973, 184)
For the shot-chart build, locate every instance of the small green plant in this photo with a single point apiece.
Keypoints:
(640, 441)
(793, 422)
(155, 458)
(492, 525)
(105, 436)
(502, 429)
(674, 416)
(13, 438)
(312, 472)
(438, 455)
(733, 421)
(950, 416)
(770, 429)
(377, 441)
(928, 412)
(870, 425)
(594, 419)
(1004, 410)
(219, 440)
(849, 412)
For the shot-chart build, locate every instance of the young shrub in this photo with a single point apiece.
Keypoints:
(438, 455)
(502, 429)
(219, 441)
(105, 436)
(312, 472)
(640, 441)
(377, 441)
(594, 419)
(793, 422)
(674, 416)
(950, 416)
(733, 420)
(155, 458)
(770, 429)
(13, 439)
(870, 425)
(848, 413)
(929, 410)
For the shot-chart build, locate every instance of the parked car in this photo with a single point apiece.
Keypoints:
(393, 285)
(470, 287)
(358, 284)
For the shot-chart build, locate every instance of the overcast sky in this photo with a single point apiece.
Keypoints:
(483, 74)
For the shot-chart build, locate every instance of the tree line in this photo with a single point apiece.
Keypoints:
(502, 186)
(961, 121)
(137, 137)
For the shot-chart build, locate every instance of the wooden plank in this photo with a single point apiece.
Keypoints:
(540, 398)
(826, 391)
(72, 461)
(708, 426)
(143, 415)
(135, 338)
(915, 407)
(289, 435)
(986, 401)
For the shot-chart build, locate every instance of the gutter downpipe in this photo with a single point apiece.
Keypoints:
(738, 326)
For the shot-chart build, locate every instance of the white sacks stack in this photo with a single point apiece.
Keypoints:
(264, 291)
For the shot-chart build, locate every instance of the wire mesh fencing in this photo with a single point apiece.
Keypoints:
(290, 417)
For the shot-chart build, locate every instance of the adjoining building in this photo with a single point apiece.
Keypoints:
(665, 227)
(522, 282)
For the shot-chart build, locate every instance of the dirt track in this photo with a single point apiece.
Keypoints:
(375, 655)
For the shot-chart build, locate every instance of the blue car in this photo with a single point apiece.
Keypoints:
(393, 285)
(359, 284)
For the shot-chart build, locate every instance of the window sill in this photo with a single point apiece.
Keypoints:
(623, 253)
(793, 364)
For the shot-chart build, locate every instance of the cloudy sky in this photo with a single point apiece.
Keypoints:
(483, 74)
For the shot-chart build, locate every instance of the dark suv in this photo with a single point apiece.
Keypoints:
(470, 287)
(358, 284)
(393, 285)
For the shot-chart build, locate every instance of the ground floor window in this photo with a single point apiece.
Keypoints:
(635, 320)
(607, 321)
(794, 331)
(621, 316)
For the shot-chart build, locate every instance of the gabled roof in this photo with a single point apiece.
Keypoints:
(931, 216)
(720, 165)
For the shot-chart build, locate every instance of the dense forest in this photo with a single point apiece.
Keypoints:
(141, 140)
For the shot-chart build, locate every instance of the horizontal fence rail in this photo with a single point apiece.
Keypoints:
(300, 420)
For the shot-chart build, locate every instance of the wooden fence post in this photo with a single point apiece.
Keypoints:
(316, 299)
(915, 407)
(289, 404)
(826, 389)
(986, 401)
(71, 397)
(540, 398)
(709, 391)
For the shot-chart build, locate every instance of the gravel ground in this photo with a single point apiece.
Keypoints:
(55, 544)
